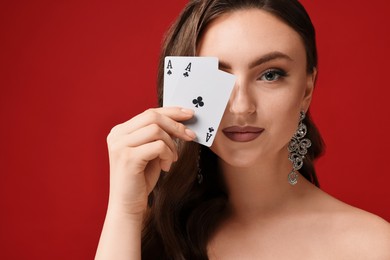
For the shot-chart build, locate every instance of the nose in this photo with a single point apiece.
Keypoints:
(241, 101)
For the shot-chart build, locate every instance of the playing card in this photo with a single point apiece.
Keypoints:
(206, 90)
(176, 67)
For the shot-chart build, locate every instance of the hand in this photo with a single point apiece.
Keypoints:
(138, 150)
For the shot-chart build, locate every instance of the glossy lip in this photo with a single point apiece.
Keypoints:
(242, 133)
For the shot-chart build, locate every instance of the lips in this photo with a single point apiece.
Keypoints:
(242, 133)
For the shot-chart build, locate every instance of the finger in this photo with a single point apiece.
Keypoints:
(147, 134)
(164, 117)
(155, 114)
(175, 113)
(152, 171)
(153, 150)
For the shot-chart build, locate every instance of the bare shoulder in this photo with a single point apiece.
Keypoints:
(359, 234)
(365, 229)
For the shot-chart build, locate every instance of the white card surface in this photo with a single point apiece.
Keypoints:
(202, 87)
(208, 98)
(175, 68)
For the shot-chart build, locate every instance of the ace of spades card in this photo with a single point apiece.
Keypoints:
(206, 90)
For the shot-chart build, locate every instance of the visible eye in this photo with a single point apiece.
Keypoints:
(272, 75)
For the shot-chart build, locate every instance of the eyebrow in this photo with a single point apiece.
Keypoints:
(263, 59)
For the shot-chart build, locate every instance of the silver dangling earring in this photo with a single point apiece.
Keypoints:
(298, 149)
(200, 175)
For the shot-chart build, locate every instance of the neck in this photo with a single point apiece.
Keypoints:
(260, 189)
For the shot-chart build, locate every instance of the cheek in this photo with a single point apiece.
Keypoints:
(282, 102)
(282, 115)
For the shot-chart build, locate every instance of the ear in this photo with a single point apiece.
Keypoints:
(310, 82)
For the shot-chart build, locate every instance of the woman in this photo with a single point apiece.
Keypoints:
(253, 194)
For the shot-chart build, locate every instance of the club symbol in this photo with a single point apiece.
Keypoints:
(169, 72)
(209, 134)
(198, 102)
(185, 74)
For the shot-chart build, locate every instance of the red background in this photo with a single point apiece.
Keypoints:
(70, 70)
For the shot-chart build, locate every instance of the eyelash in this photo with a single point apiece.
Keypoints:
(278, 73)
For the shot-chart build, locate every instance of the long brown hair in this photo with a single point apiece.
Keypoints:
(183, 214)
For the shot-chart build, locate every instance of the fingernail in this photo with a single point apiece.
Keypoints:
(190, 133)
(188, 111)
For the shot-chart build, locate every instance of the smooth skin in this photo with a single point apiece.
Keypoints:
(267, 218)
(138, 150)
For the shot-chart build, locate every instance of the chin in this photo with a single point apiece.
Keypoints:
(240, 158)
(250, 154)
(237, 163)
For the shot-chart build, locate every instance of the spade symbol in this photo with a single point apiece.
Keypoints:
(169, 72)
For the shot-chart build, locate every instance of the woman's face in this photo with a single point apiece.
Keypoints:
(273, 86)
